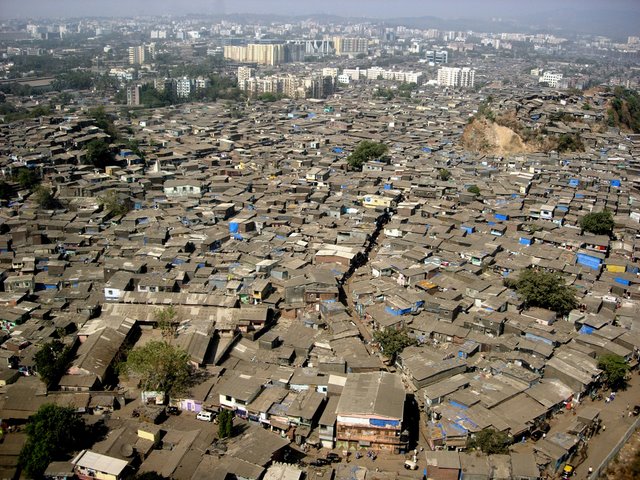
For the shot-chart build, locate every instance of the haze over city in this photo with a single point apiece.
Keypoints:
(356, 239)
(357, 8)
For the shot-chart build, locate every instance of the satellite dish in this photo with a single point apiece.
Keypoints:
(126, 450)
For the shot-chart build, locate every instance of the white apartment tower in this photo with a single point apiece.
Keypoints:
(244, 74)
(456, 77)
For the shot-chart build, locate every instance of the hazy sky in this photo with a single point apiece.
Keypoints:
(360, 8)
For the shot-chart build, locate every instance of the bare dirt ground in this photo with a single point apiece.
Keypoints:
(618, 468)
(484, 137)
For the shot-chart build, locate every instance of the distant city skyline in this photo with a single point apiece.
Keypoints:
(352, 8)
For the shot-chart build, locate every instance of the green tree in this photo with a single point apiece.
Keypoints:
(98, 153)
(444, 174)
(149, 476)
(52, 433)
(598, 223)
(166, 319)
(569, 143)
(160, 367)
(104, 121)
(6, 192)
(269, 97)
(27, 178)
(474, 190)
(546, 290)
(392, 341)
(44, 197)
(51, 362)
(364, 152)
(115, 203)
(615, 370)
(489, 441)
(225, 424)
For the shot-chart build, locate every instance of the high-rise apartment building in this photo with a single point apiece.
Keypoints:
(551, 78)
(244, 74)
(267, 54)
(183, 87)
(437, 57)
(350, 45)
(136, 55)
(456, 77)
(133, 95)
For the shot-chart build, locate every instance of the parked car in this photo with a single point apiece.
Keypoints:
(410, 465)
(333, 457)
(205, 416)
(567, 471)
(171, 410)
(319, 462)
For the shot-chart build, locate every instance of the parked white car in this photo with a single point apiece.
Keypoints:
(205, 416)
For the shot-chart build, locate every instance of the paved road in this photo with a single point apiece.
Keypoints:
(614, 417)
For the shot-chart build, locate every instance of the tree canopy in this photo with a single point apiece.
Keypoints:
(44, 197)
(166, 318)
(444, 174)
(52, 433)
(490, 441)
(598, 223)
(98, 154)
(160, 367)
(474, 189)
(27, 178)
(366, 151)
(615, 370)
(51, 362)
(392, 341)
(225, 424)
(103, 121)
(546, 290)
(624, 110)
(115, 203)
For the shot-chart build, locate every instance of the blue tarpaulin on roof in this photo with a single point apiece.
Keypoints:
(615, 183)
(501, 216)
(574, 182)
(589, 261)
(579, 195)
(383, 423)
(586, 330)
(622, 281)
(458, 405)
(426, 149)
(525, 241)
(337, 150)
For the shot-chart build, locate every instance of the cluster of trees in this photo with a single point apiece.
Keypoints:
(569, 143)
(51, 362)
(115, 203)
(220, 87)
(598, 223)
(545, 290)
(392, 342)
(160, 367)
(490, 442)
(624, 110)
(615, 370)
(53, 433)
(365, 152)
(270, 97)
